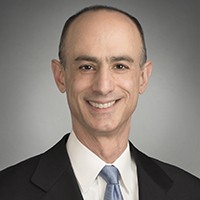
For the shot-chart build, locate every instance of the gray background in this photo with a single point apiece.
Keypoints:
(34, 115)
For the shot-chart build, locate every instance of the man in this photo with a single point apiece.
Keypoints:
(103, 69)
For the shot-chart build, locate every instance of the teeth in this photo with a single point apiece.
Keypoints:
(101, 105)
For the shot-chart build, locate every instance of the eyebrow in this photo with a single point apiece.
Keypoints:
(87, 58)
(121, 58)
(110, 59)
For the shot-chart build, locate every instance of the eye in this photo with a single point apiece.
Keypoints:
(121, 67)
(86, 68)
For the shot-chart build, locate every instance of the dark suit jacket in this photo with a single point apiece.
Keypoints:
(50, 176)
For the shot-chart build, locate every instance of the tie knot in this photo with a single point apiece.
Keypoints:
(110, 174)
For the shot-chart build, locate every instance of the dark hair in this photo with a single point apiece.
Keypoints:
(97, 8)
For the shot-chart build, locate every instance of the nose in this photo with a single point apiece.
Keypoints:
(103, 81)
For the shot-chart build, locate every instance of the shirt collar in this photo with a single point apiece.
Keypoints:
(87, 165)
(126, 167)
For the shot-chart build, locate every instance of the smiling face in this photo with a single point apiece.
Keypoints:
(102, 77)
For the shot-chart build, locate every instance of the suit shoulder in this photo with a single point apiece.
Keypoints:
(182, 180)
(178, 183)
(175, 171)
(23, 171)
(19, 172)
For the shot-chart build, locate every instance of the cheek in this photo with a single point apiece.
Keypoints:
(76, 85)
(130, 83)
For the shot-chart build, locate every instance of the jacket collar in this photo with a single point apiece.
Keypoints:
(153, 182)
(54, 175)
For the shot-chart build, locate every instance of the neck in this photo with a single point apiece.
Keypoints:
(108, 146)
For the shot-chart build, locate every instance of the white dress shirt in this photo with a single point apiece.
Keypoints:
(87, 165)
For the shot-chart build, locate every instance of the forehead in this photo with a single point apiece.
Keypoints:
(102, 15)
(99, 18)
(102, 29)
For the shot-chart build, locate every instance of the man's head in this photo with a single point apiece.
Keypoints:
(63, 46)
(104, 71)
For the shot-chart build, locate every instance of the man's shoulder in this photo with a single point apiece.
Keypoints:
(172, 169)
(176, 182)
(25, 167)
(175, 171)
(182, 180)
(23, 180)
(19, 173)
(151, 164)
(15, 181)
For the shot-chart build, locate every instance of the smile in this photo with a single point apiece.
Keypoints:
(101, 105)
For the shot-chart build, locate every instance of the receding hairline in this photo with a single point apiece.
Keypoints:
(93, 9)
(81, 16)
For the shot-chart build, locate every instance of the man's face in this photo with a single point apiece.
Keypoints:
(102, 77)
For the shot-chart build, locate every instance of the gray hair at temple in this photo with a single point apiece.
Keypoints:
(97, 8)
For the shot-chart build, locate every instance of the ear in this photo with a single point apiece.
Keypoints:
(144, 76)
(58, 73)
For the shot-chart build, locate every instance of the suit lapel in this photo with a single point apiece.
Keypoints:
(54, 174)
(154, 183)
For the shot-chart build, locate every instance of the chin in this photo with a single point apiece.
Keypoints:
(104, 129)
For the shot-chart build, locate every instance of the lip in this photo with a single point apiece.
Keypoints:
(102, 105)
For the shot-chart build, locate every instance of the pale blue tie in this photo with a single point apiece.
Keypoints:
(111, 175)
